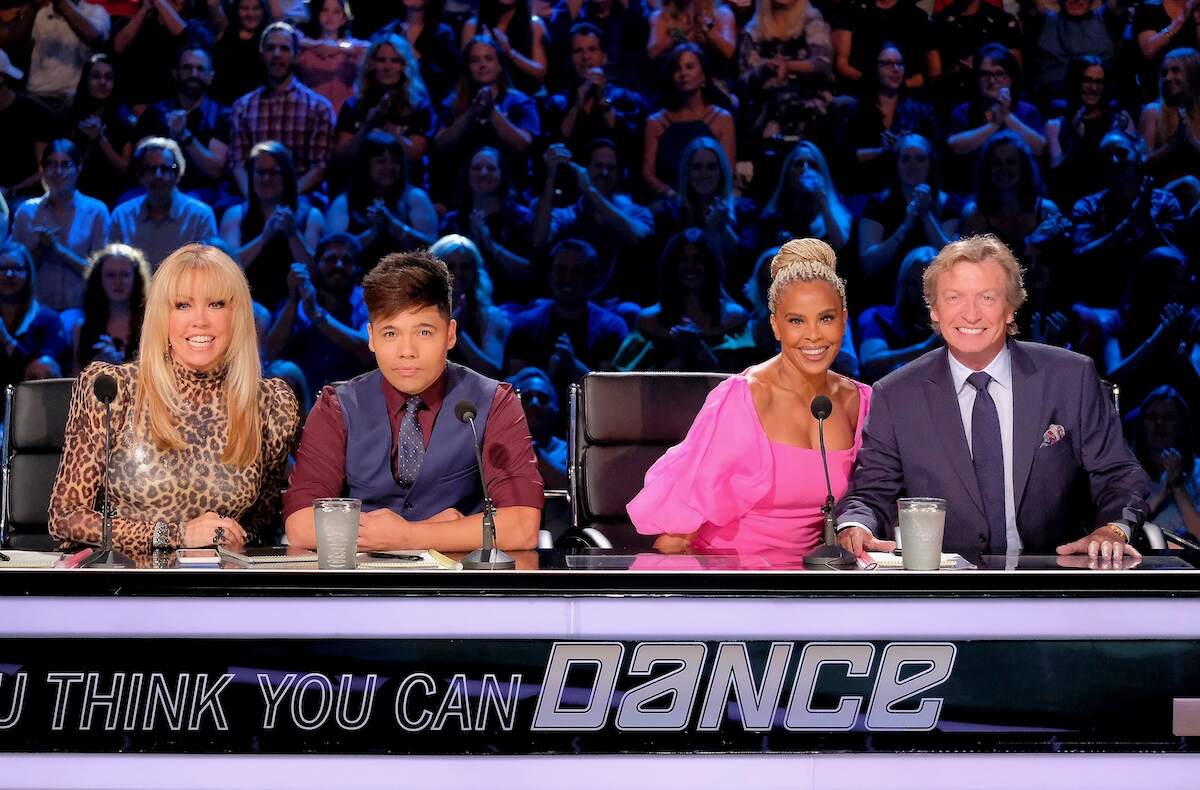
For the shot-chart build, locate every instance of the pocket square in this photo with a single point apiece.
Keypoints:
(1053, 434)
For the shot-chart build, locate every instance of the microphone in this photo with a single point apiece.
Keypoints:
(105, 390)
(487, 557)
(830, 554)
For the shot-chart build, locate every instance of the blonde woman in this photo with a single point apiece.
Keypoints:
(748, 475)
(200, 439)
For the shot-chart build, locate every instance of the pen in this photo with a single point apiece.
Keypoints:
(75, 559)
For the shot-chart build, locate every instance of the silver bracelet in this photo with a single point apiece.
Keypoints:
(162, 535)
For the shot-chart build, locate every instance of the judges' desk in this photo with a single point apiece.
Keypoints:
(601, 670)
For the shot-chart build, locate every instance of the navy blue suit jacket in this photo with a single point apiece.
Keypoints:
(914, 444)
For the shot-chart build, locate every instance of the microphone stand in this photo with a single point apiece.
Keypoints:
(487, 558)
(106, 556)
(829, 555)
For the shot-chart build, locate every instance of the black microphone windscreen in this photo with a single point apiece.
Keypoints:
(464, 410)
(105, 388)
(822, 407)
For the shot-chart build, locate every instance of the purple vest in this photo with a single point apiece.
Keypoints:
(448, 475)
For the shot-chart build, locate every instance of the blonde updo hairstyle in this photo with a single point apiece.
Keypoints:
(804, 261)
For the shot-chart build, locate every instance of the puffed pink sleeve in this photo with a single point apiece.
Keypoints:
(721, 469)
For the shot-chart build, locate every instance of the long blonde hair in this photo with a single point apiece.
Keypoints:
(767, 25)
(156, 407)
(1189, 59)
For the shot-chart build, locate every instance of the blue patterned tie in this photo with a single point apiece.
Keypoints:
(410, 444)
(988, 454)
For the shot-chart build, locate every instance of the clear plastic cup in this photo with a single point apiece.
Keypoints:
(336, 522)
(922, 526)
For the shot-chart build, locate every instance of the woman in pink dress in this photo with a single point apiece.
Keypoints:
(748, 475)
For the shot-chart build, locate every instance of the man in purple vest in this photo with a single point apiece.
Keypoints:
(391, 439)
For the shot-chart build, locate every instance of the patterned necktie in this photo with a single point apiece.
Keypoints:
(410, 444)
(988, 455)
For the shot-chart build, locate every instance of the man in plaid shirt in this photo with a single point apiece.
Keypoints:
(283, 110)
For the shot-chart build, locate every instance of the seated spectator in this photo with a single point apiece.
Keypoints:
(64, 35)
(482, 327)
(520, 35)
(592, 108)
(603, 216)
(103, 130)
(993, 109)
(484, 110)
(759, 341)
(567, 336)
(61, 228)
(1073, 139)
(43, 368)
(540, 402)
(690, 111)
(694, 316)
(164, 219)
(1158, 27)
(236, 57)
(433, 44)
(1120, 224)
(275, 227)
(1079, 29)
(624, 29)
(1170, 127)
(28, 329)
(912, 212)
(961, 30)
(147, 41)
(381, 207)
(1161, 434)
(109, 326)
(283, 110)
(391, 98)
(805, 202)
(885, 113)
(865, 26)
(1158, 334)
(706, 24)
(26, 125)
(895, 334)
(785, 62)
(490, 215)
(704, 198)
(329, 55)
(322, 324)
(196, 121)
(1009, 199)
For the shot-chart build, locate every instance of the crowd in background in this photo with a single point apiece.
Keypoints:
(608, 180)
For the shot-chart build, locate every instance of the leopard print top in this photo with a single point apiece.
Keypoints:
(147, 484)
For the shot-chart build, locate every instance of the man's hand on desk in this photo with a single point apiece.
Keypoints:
(383, 530)
(1120, 563)
(856, 540)
(1106, 545)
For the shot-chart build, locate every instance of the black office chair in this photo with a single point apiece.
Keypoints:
(35, 426)
(621, 423)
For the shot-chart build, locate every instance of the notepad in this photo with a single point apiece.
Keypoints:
(885, 560)
(271, 555)
(429, 559)
(30, 559)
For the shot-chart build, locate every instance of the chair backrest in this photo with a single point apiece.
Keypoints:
(35, 427)
(620, 424)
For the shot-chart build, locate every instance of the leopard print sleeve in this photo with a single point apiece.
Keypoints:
(72, 514)
(281, 420)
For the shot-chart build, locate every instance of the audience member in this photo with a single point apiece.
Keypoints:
(624, 29)
(146, 43)
(109, 325)
(164, 219)
(103, 130)
(482, 328)
(64, 34)
(236, 56)
(690, 110)
(520, 36)
(540, 402)
(961, 30)
(283, 110)
(419, 22)
(275, 227)
(381, 207)
(322, 324)
(28, 329)
(329, 55)
(895, 334)
(706, 24)
(1161, 432)
(1170, 127)
(805, 202)
(61, 228)
(1077, 30)
(26, 125)
(1159, 26)
(866, 26)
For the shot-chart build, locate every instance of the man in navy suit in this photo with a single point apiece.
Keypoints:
(1020, 439)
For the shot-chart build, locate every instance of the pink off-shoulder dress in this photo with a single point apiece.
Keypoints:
(737, 489)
